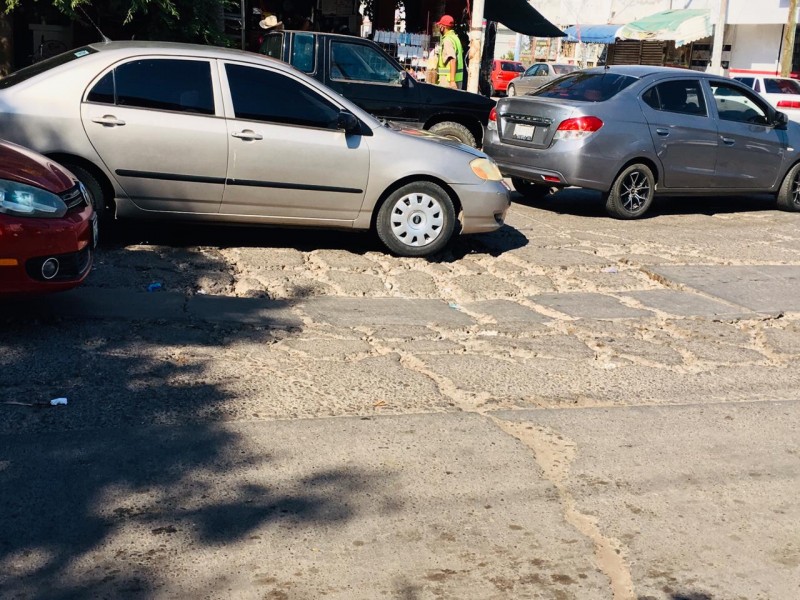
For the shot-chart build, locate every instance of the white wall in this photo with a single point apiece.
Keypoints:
(754, 47)
(755, 11)
(570, 12)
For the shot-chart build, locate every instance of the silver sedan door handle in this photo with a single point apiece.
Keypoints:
(728, 141)
(247, 134)
(662, 132)
(109, 120)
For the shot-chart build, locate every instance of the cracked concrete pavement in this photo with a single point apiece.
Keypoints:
(572, 407)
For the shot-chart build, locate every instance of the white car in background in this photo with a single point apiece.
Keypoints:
(782, 92)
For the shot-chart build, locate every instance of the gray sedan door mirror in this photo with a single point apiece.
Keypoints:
(780, 120)
(348, 123)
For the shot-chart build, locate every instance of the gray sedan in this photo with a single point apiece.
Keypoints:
(159, 130)
(536, 76)
(631, 132)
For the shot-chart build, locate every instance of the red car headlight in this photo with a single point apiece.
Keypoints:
(21, 200)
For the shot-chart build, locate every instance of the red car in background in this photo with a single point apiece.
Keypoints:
(48, 228)
(503, 71)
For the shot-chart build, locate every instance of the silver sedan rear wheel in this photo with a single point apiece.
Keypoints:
(789, 194)
(416, 220)
(511, 91)
(631, 193)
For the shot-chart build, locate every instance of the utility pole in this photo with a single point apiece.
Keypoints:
(787, 47)
(475, 44)
(719, 35)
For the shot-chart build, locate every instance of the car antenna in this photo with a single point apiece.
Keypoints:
(102, 35)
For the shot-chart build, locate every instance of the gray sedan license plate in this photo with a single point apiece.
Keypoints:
(524, 132)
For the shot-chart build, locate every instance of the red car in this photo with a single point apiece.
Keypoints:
(48, 229)
(503, 71)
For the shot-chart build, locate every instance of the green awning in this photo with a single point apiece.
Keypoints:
(681, 26)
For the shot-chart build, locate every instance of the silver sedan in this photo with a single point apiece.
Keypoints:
(632, 132)
(159, 130)
(536, 76)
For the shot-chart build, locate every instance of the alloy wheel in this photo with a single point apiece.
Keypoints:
(635, 191)
(795, 191)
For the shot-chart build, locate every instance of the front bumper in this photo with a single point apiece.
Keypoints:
(25, 244)
(484, 206)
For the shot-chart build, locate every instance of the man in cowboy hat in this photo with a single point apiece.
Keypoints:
(451, 55)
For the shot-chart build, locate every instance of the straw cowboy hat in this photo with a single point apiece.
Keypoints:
(270, 22)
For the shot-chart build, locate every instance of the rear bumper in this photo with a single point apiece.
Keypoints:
(564, 163)
(67, 240)
(484, 206)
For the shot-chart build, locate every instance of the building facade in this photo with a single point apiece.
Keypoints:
(753, 34)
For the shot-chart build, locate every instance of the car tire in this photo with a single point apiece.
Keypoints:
(530, 190)
(90, 182)
(417, 219)
(454, 130)
(632, 192)
(789, 193)
(511, 91)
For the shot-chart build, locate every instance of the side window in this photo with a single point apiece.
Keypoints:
(737, 104)
(272, 45)
(530, 71)
(683, 96)
(545, 70)
(757, 86)
(303, 55)
(359, 62)
(164, 84)
(103, 90)
(262, 95)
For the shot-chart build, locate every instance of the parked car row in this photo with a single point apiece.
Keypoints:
(158, 130)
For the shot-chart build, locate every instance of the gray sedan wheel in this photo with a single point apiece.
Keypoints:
(416, 220)
(511, 91)
(631, 193)
(789, 194)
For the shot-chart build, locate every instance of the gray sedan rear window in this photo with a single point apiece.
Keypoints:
(592, 87)
(45, 65)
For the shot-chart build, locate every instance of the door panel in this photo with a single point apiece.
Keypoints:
(684, 135)
(149, 158)
(295, 172)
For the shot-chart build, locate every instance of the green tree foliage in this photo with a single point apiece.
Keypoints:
(198, 21)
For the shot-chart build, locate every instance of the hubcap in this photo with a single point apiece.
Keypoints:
(635, 191)
(417, 219)
(796, 190)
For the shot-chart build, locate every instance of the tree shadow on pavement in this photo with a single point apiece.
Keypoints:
(99, 495)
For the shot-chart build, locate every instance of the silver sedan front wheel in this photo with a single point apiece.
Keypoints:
(416, 220)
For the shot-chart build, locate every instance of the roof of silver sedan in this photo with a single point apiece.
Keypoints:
(173, 46)
(645, 70)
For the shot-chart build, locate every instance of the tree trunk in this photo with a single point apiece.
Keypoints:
(6, 45)
(788, 40)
